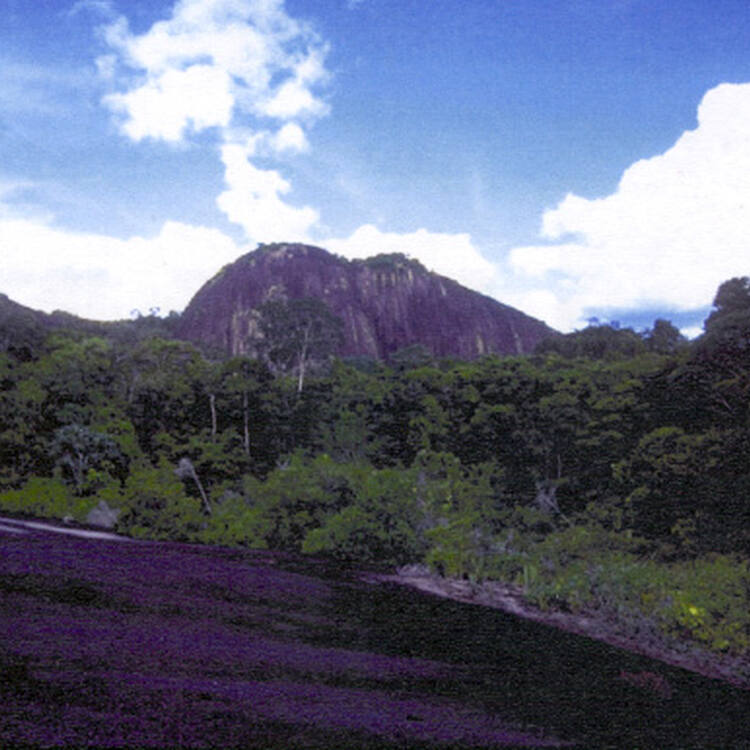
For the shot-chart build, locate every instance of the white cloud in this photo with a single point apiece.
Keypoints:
(676, 227)
(103, 277)
(253, 200)
(233, 65)
(452, 255)
(691, 332)
(259, 59)
(198, 97)
(290, 138)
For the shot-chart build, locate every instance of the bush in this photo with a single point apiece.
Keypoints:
(380, 525)
(460, 549)
(46, 498)
(235, 522)
(154, 506)
(705, 600)
(299, 497)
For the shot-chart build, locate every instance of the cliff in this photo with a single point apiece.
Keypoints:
(386, 303)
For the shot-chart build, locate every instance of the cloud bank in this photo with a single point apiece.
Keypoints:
(104, 278)
(676, 227)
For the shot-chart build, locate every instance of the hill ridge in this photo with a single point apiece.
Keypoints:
(386, 302)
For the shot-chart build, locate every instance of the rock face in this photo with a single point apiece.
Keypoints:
(386, 303)
(103, 516)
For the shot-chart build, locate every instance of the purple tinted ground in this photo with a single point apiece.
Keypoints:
(104, 643)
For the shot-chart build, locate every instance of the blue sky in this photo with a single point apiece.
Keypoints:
(573, 158)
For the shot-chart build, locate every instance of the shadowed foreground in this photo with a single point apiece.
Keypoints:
(111, 643)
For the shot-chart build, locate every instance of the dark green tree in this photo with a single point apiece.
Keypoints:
(664, 338)
(297, 335)
(86, 457)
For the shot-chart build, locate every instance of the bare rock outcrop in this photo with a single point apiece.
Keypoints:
(386, 303)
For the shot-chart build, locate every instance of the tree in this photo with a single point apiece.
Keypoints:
(664, 338)
(411, 358)
(720, 359)
(186, 470)
(155, 506)
(297, 335)
(80, 451)
(164, 384)
(241, 385)
(594, 342)
(732, 296)
(670, 475)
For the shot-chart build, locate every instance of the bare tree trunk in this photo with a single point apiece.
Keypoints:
(301, 378)
(303, 360)
(246, 423)
(206, 504)
(186, 469)
(212, 403)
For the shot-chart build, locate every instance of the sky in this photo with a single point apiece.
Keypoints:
(576, 159)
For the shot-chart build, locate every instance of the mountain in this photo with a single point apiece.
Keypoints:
(23, 329)
(386, 303)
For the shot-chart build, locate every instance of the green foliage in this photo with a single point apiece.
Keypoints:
(298, 496)
(461, 513)
(460, 548)
(732, 298)
(235, 522)
(298, 334)
(21, 330)
(632, 435)
(669, 476)
(594, 342)
(379, 525)
(154, 505)
(708, 600)
(411, 358)
(664, 338)
(46, 498)
(355, 534)
(88, 460)
(705, 600)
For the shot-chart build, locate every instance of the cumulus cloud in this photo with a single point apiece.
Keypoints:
(107, 277)
(253, 199)
(243, 67)
(676, 227)
(263, 62)
(452, 255)
(291, 137)
(198, 97)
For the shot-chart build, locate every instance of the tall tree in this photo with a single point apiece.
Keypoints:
(297, 335)
(80, 451)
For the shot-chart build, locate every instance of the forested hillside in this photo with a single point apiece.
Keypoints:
(608, 471)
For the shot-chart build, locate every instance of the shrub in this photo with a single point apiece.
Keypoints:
(235, 522)
(299, 497)
(381, 525)
(46, 498)
(155, 506)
